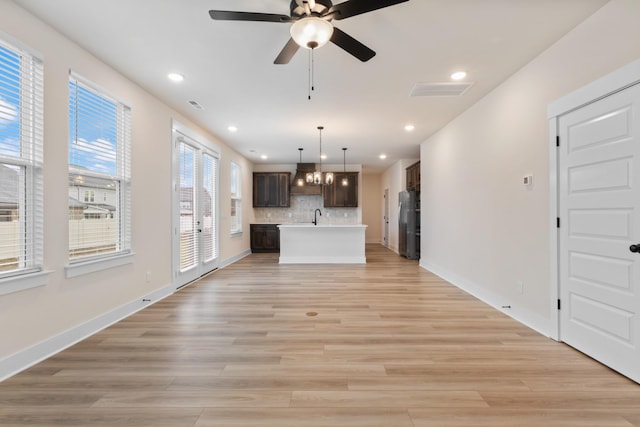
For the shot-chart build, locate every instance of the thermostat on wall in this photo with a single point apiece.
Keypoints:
(527, 180)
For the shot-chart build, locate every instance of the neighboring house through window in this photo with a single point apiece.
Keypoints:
(236, 199)
(99, 152)
(21, 161)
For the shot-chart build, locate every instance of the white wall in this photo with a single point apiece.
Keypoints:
(371, 212)
(32, 316)
(481, 228)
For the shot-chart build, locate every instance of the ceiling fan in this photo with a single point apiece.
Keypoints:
(312, 27)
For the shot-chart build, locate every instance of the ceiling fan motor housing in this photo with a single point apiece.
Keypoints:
(299, 10)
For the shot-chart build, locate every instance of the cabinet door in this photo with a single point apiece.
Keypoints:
(259, 190)
(413, 177)
(347, 196)
(283, 190)
(265, 190)
(271, 239)
(329, 195)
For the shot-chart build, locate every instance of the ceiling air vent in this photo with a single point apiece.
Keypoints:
(196, 105)
(440, 89)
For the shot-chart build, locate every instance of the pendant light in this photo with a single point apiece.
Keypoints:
(316, 176)
(345, 180)
(300, 181)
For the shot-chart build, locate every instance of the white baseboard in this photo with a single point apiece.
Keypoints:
(227, 262)
(522, 315)
(28, 357)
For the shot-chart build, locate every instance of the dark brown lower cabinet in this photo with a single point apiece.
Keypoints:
(265, 238)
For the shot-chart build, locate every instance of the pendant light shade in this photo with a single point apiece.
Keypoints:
(311, 32)
(328, 178)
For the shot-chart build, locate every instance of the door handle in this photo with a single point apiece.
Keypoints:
(635, 248)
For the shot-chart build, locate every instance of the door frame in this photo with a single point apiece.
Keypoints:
(385, 215)
(614, 82)
(179, 130)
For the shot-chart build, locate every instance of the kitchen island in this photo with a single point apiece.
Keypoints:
(322, 244)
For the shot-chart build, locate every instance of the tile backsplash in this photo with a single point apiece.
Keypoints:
(302, 209)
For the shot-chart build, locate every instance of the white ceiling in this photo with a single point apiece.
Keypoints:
(228, 67)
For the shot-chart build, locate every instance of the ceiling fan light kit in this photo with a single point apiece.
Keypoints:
(311, 32)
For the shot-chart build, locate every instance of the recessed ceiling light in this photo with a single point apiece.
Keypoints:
(232, 129)
(264, 157)
(323, 157)
(458, 75)
(383, 156)
(409, 127)
(175, 77)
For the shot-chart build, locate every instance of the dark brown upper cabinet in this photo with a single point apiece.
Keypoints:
(337, 195)
(271, 189)
(413, 177)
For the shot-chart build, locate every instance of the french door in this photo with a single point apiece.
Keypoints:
(195, 225)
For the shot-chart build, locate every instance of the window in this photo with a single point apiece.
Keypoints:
(21, 183)
(236, 199)
(99, 147)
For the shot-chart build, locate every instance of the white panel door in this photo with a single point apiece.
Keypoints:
(599, 205)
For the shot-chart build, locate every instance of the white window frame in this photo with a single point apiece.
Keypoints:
(123, 253)
(236, 199)
(30, 272)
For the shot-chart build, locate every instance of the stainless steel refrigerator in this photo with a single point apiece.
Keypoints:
(409, 224)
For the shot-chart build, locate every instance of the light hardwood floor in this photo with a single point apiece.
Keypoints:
(392, 345)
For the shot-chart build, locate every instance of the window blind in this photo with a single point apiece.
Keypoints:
(236, 199)
(209, 197)
(21, 159)
(188, 207)
(99, 163)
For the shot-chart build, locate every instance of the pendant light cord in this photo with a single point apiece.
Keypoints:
(320, 129)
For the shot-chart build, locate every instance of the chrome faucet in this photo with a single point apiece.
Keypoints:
(315, 218)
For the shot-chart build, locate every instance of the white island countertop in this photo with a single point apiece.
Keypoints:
(322, 244)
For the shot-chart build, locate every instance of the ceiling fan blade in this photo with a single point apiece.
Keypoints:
(351, 45)
(287, 52)
(227, 15)
(351, 8)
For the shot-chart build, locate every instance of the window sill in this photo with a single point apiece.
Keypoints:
(23, 282)
(94, 265)
(236, 233)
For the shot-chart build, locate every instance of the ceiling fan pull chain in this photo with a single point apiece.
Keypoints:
(309, 76)
(313, 66)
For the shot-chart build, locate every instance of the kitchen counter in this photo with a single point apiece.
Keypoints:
(322, 244)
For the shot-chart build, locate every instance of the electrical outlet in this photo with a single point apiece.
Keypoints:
(147, 277)
(520, 287)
